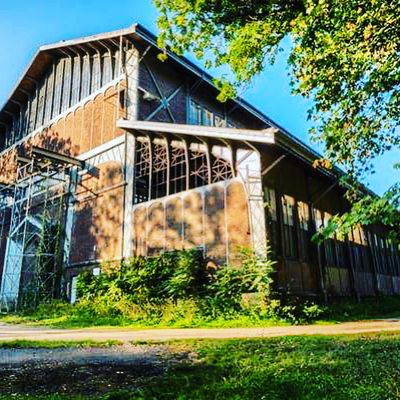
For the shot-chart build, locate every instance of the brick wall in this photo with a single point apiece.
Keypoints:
(85, 127)
(215, 217)
(98, 214)
(8, 167)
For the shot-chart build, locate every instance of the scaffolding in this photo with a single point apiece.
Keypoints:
(33, 210)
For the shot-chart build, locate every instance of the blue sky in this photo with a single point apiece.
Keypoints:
(27, 24)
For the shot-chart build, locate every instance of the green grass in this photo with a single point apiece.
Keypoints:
(54, 397)
(304, 368)
(62, 315)
(76, 322)
(56, 344)
(367, 308)
(66, 320)
(359, 367)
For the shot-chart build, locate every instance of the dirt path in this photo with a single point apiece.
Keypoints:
(13, 332)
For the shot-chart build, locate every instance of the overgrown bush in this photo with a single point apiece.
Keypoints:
(228, 284)
(174, 275)
(177, 286)
(294, 309)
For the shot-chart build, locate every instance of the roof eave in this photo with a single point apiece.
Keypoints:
(266, 136)
(86, 39)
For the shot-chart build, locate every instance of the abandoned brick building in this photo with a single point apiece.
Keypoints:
(107, 152)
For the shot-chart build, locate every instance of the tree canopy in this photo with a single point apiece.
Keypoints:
(344, 56)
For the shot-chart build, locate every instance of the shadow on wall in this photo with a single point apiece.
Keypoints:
(98, 215)
(8, 167)
(214, 217)
(82, 129)
(48, 139)
(53, 138)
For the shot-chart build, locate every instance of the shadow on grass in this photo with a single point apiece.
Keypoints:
(289, 368)
(306, 368)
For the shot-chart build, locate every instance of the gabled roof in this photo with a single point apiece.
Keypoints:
(45, 54)
(43, 59)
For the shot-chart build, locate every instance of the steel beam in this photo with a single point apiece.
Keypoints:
(266, 136)
(39, 152)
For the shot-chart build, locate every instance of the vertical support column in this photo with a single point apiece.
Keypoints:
(44, 101)
(132, 79)
(28, 116)
(68, 88)
(69, 215)
(187, 164)
(168, 155)
(315, 249)
(209, 163)
(35, 117)
(130, 153)
(151, 166)
(372, 258)
(352, 270)
(231, 157)
(90, 77)
(249, 170)
(79, 69)
(50, 90)
(321, 272)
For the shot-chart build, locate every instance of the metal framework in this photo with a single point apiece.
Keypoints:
(199, 170)
(33, 213)
(165, 167)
